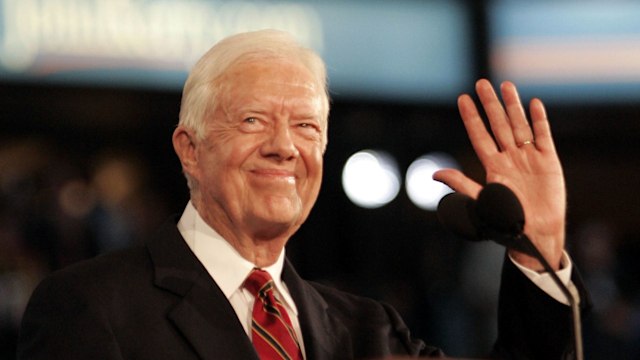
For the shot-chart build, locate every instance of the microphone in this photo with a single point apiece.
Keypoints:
(497, 215)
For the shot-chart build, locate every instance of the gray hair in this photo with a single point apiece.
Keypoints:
(201, 91)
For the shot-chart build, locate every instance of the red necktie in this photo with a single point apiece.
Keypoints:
(271, 330)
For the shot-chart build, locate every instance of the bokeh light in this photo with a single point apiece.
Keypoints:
(422, 190)
(371, 178)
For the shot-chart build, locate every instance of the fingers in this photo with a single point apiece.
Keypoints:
(508, 122)
(498, 118)
(541, 128)
(520, 128)
(457, 181)
(481, 140)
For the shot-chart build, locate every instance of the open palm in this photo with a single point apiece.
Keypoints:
(522, 156)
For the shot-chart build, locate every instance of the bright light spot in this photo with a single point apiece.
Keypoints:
(370, 179)
(423, 191)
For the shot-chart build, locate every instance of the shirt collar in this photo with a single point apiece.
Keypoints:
(221, 260)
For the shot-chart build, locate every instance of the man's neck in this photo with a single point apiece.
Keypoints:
(261, 247)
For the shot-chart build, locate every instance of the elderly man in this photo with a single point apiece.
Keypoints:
(217, 284)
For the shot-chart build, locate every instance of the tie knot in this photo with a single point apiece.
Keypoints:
(258, 281)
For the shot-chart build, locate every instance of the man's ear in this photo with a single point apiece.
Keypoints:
(184, 144)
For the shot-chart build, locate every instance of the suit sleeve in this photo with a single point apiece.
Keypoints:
(63, 322)
(531, 324)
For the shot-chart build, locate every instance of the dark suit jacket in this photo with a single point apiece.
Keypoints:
(158, 302)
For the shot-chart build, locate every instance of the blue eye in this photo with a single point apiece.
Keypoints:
(251, 120)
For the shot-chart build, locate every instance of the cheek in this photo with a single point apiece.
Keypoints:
(214, 163)
(226, 155)
(313, 163)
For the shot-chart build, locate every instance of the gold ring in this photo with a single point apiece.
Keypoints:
(526, 142)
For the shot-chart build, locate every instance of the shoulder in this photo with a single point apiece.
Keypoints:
(118, 264)
(375, 327)
(111, 273)
(357, 313)
(78, 302)
(85, 297)
(348, 303)
(360, 311)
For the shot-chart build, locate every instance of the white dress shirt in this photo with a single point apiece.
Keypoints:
(229, 269)
(545, 282)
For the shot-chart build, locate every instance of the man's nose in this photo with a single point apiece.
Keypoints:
(280, 143)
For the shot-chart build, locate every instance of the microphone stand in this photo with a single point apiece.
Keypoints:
(569, 291)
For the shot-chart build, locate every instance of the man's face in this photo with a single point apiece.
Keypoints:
(259, 166)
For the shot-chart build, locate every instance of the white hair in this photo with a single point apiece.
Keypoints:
(202, 89)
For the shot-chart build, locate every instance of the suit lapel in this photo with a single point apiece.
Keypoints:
(324, 336)
(203, 315)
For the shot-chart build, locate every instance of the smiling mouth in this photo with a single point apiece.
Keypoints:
(275, 175)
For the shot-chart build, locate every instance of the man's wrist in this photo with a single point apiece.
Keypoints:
(544, 281)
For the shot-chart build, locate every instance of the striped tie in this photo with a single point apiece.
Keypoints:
(271, 330)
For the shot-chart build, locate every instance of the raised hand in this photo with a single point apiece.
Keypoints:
(522, 156)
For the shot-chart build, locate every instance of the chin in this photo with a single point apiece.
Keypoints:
(267, 229)
(281, 219)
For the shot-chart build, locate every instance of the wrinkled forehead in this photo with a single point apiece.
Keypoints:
(273, 78)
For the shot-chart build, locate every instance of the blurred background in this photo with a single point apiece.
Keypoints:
(90, 93)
